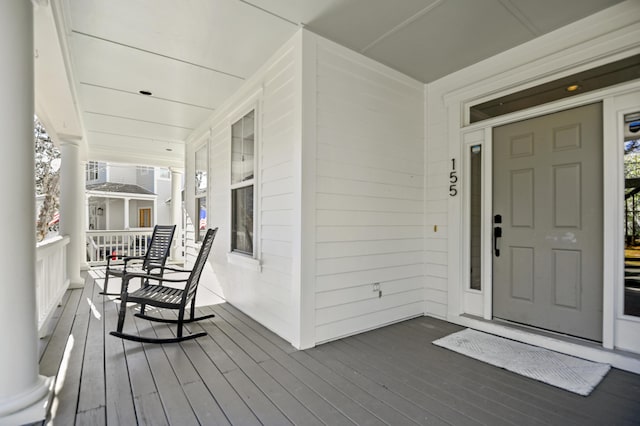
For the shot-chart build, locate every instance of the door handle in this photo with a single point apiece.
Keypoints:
(497, 233)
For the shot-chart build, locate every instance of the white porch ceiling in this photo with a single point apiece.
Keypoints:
(193, 54)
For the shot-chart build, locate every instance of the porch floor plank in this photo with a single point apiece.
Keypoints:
(53, 350)
(513, 389)
(251, 359)
(438, 411)
(204, 405)
(279, 368)
(455, 374)
(417, 360)
(119, 398)
(92, 396)
(366, 378)
(243, 374)
(146, 397)
(68, 387)
(444, 403)
(50, 326)
(350, 411)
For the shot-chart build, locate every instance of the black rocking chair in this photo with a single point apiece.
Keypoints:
(153, 261)
(163, 296)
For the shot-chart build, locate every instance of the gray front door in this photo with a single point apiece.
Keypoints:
(547, 198)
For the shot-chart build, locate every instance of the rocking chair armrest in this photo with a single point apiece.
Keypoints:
(160, 279)
(168, 268)
(126, 259)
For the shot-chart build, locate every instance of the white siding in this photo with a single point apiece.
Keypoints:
(266, 295)
(122, 173)
(115, 214)
(163, 191)
(436, 206)
(369, 202)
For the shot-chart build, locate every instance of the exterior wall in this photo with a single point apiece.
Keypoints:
(340, 204)
(436, 204)
(163, 190)
(598, 39)
(265, 290)
(122, 173)
(369, 193)
(134, 214)
(115, 216)
(145, 177)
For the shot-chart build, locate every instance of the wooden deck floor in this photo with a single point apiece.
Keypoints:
(242, 374)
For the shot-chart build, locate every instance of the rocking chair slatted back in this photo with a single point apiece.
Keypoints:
(160, 246)
(154, 259)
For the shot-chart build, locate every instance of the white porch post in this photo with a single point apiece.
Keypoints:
(154, 213)
(84, 216)
(126, 213)
(176, 212)
(23, 392)
(87, 220)
(71, 204)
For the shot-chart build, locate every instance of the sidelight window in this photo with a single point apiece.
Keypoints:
(475, 216)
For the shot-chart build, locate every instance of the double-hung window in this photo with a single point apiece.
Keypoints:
(242, 184)
(92, 172)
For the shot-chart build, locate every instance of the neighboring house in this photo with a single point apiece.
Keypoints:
(125, 197)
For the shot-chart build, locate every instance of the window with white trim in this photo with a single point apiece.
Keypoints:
(92, 171)
(164, 173)
(242, 184)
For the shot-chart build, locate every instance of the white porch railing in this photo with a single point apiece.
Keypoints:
(103, 244)
(51, 276)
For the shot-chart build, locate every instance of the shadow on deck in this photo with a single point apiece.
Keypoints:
(243, 374)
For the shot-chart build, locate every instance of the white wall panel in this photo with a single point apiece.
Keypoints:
(264, 294)
(363, 233)
(371, 320)
(346, 134)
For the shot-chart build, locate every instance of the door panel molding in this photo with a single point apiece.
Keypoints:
(548, 273)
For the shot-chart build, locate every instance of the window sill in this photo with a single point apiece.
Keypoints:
(244, 261)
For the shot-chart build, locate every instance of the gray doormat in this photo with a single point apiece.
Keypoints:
(564, 371)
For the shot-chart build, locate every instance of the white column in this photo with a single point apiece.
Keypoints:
(84, 215)
(126, 213)
(176, 212)
(22, 390)
(154, 212)
(71, 205)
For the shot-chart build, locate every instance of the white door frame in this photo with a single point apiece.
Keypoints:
(625, 328)
(466, 304)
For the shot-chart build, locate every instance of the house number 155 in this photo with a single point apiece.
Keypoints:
(453, 179)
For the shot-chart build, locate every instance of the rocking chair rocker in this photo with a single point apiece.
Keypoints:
(153, 260)
(163, 296)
